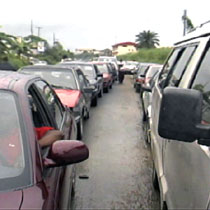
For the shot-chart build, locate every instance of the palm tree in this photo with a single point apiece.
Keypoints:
(147, 39)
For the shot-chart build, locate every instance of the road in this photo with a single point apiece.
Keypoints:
(118, 173)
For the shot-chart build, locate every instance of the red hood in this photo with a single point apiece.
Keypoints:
(11, 200)
(69, 98)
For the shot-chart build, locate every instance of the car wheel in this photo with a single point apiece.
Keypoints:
(106, 90)
(94, 102)
(137, 89)
(80, 129)
(87, 116)
(101, 93)
(155, 179)
(110, 86)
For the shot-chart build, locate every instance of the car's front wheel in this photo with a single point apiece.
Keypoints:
(94, 102)
(80, 129)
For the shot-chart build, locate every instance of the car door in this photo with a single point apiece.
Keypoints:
(50, 112)
(99, 78)
(83, 82)
(186, 165)
(163, 149)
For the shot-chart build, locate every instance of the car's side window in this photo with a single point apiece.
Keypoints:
(202, 83)
(169, 65)
(83, 81)
(179, 68)
(52, 100)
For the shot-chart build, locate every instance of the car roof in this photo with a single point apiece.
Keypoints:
(46, 67)
(202, 30)
(9, 78)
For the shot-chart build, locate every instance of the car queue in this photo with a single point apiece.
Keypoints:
(42, 97)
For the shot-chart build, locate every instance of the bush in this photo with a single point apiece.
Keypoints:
(154, 55)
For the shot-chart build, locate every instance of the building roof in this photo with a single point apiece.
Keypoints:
(125, 43)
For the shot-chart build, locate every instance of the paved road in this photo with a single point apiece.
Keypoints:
(119, 167)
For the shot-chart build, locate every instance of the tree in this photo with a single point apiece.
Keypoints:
(147, 39)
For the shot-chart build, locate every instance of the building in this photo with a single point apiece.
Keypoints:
(124, 48)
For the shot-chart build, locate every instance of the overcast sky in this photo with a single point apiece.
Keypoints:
(100, 23)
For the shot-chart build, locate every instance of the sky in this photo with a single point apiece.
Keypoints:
(99, 24)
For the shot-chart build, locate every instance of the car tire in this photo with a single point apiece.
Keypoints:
(110, 86)
(100, 95)
(94, 102)
(155, 179)
(80, 129)
(106, 90)
(137, 89)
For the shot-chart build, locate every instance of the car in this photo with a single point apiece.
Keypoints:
(129, 66)
(139, 76)
(33, 177)
(108, 76)
(93, 75)
(146, 105)
(71, 86)
(180, 131)
(148, 74)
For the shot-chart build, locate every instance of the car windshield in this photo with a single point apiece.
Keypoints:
(60, 78)
(12, 160)
(102, 68)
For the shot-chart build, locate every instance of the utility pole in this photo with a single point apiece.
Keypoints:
(39, 29)
(184, 18)
(32, 28)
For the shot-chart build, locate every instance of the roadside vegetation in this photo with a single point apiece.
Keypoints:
(21, 51)
(151, 55)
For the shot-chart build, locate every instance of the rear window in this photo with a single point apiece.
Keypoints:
(13, 170)
(103, 68)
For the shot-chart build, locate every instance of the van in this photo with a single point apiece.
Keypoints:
(180, 124)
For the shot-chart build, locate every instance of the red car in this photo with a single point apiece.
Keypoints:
(33, 177)
(108, 77)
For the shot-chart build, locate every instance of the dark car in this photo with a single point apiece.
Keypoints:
(71, 86)
(108, 76)
(33, 177)
(93, 75)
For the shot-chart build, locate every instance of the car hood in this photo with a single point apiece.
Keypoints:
(69, 98)
(11, 200)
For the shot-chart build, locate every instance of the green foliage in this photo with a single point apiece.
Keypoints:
(155, 55)
(147, 39)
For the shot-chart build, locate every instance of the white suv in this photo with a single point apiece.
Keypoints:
(180, 124)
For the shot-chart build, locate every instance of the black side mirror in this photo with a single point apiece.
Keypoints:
(181, 115)
(100, 75)
(146, 88)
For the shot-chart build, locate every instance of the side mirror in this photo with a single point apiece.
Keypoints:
(89, 89)
(181, 115)
(146, 88)
(65, 152)
(100, 75)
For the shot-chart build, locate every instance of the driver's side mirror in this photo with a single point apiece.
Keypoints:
(66, 152)
(180, 115)
(100, 75)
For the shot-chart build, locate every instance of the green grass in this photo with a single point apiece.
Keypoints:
(154, 55)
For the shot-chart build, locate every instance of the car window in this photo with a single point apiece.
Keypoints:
(179, 68)
(15, 171)
(52, 100)
(82, 79)
(12, 161)
(170, 63)
(202, 83)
